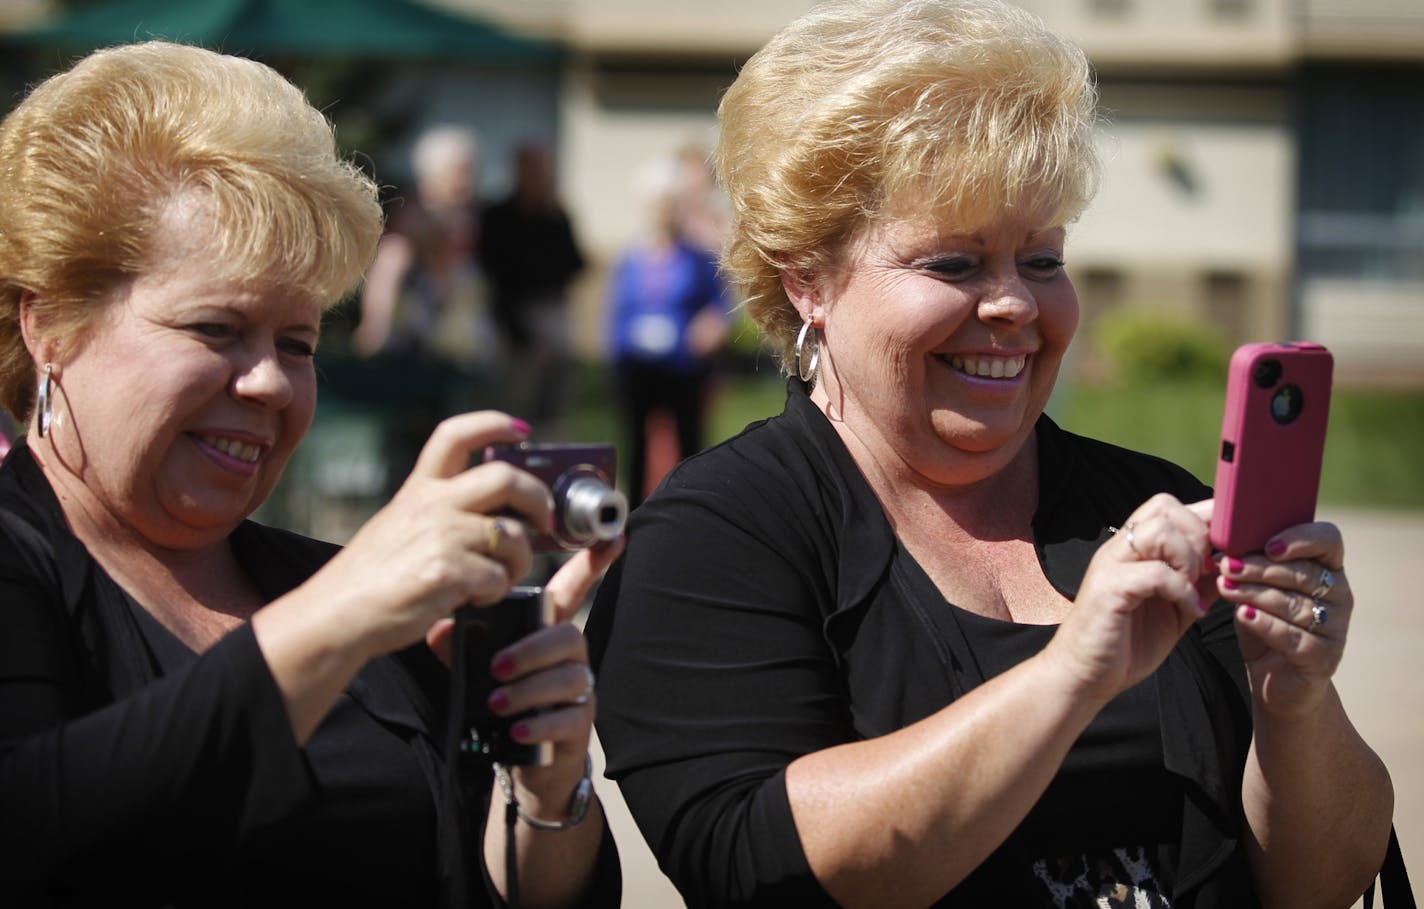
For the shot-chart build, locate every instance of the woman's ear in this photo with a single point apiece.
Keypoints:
(804, 293)
(41, 349)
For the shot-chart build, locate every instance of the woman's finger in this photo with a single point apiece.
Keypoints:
(500, 487)
(566, 684)
(559, 643)
(1319, 541)
(448, 450)
(572, 583)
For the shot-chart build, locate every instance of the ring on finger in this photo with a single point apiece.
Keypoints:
(1319, 615)
(1327, 582)
(1127, 532)
(588, 683)
(497, 533)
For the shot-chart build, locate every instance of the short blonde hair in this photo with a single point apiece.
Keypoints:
(94, 156)
(862, 109)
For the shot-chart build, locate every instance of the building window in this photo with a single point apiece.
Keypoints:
(1230, 10)
(1228, 297)
(1109, 9)
(1099, 289)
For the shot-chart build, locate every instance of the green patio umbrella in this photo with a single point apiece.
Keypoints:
(344, 28)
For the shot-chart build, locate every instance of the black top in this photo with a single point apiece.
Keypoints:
(529, 255)
(134, 772)
(764, 610)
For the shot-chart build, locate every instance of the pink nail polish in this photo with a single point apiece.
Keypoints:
(1276, 547)
(498, 700)
(502, 667)
(1234, 565)
(1228, 583)
(1248, 612)
(1204, 604)
(520, 426)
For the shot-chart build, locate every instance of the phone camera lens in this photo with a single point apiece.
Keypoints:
(1266, 373)
(1287, 404)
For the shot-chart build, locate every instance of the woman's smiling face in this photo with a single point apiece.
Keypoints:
(940, 346)
(181, 406)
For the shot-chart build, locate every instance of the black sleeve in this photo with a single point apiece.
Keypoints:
(713, 677)
(141, 795)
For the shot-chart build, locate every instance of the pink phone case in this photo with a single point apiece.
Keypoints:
(1272, 443)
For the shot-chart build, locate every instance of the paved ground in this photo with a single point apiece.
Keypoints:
(1381, 682)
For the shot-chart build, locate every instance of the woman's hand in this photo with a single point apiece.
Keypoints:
(440, 542)
(548, 672)
(1293, 612)
(1142, 590)
(436, 546)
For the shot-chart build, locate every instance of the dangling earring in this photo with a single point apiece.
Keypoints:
(805, 371)
(44, 405)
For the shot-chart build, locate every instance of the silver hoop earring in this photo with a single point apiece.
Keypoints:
(806, 372)
(44, 403)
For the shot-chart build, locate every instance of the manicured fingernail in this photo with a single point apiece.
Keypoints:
(519, 732)
(1248, 612)
(520, 426)
(498, 700)
(1228, 583)
(1276, 547)
(502, 667)
(1234, 565)
(1204, 604)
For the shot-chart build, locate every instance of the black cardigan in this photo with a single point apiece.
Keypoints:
(122, 784)
(764, 610)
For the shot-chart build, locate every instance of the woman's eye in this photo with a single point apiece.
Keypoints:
(297, 347)
(1044, 266)
(953, 267)
(214, 330)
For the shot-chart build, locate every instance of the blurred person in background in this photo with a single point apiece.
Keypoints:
(530, 257)
(195, 709)
(910, 643)
(667, 314)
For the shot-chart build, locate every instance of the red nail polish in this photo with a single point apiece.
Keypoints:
(519, 732)
(1276, 547)
(502, 667)
(520, 426)
(1228, 583)
(498, 701)
(1234, 565)
(1204, 604)
(1248, 612)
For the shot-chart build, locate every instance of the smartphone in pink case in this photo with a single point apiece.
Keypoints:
(1272, 443)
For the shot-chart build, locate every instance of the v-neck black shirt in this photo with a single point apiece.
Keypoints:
(764, 610)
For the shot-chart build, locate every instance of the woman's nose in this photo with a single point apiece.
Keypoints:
(262, 380)
(1009, 300)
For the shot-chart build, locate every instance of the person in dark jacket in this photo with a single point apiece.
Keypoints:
(909, 643)
(196, 710)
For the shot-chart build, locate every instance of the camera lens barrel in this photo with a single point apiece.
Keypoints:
(590, 511)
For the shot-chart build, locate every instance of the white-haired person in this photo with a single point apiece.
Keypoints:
(195, 709)
(910, 643)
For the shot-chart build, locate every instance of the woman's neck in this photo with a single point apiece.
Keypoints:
(199, 593)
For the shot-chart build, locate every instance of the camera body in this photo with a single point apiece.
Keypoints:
(480, 633)
(587, 507)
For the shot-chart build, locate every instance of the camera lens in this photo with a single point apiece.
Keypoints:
(1266, 373)
(591, 511)
(1287, 404)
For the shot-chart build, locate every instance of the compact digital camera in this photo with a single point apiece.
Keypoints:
(588, 509)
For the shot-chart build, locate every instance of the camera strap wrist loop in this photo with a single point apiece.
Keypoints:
(578, 802)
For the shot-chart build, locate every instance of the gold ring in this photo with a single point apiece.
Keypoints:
(1132, 540)
(496, 536)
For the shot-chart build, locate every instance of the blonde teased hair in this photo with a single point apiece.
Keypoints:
(94, 156)
(864, 110)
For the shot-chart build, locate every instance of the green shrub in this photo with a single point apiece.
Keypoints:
(1141, 344)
